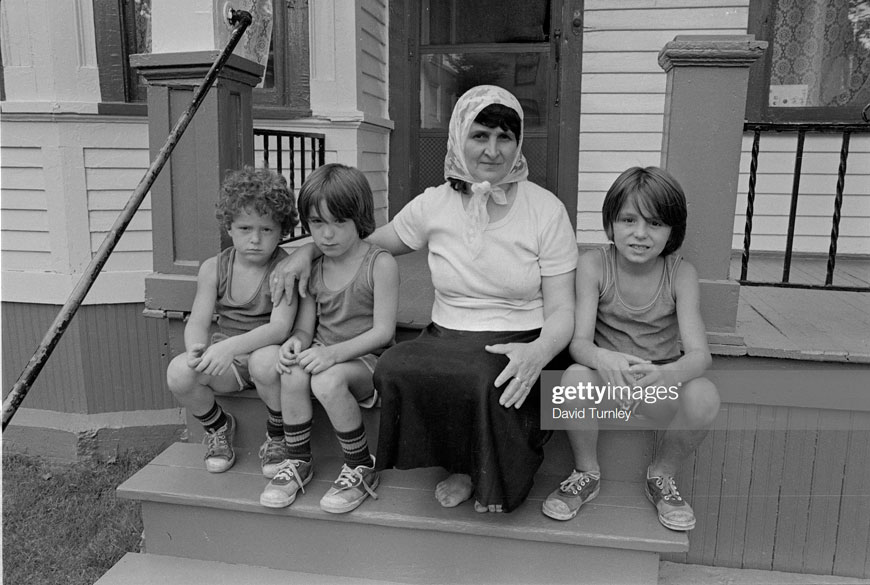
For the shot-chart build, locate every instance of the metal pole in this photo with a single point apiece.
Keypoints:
(241, 19)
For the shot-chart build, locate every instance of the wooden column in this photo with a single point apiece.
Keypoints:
(707, 79)
(220, 138)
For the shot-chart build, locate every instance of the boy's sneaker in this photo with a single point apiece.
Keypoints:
(292, 475)
(674, 512)
(220, 455)
(350, 489)
(566, 500)
(272, 454)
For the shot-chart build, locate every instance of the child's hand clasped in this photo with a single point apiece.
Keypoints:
(217, 359)
(648, 374)
(317, 359)
(194, 355)
(288, 355)
(616, 367)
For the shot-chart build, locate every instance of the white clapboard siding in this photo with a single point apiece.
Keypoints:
(818, 187)
(25, 225)
(111, 176)
(623, 87)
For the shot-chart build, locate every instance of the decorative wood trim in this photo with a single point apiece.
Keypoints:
(710, 51)
(87, 51)
(401, 165)
(111, 53)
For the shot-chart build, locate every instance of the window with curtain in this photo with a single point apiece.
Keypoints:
(817, 65)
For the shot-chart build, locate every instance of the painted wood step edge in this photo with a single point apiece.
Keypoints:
(148, 569)
(620, 518)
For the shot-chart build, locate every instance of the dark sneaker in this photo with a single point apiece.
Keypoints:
(220, 455)
(350, 489)
(292, 475)
(273, 453)
(674, 512)
(566, 500)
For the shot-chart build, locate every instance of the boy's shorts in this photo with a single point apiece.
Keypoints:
(369, 360)
(239, 366)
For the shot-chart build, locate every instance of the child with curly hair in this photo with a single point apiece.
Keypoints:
(257, 209)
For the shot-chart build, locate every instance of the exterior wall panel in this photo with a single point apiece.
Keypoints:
(781, 488)
(110, 359)
(60, 385)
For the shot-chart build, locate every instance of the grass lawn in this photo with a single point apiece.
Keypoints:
(63, 524)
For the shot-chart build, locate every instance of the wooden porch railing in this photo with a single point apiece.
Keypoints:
(294, 155)
(801, 130)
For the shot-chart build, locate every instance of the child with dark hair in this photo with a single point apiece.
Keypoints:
(256, 208)
(345, 322)
(637, 300)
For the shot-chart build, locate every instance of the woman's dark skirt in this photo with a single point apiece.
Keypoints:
(439, 407)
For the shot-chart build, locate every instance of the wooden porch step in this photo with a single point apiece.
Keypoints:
(148, 569)
(403, 536)
(623, 454)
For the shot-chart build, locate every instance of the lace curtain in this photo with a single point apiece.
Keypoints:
(821, 53)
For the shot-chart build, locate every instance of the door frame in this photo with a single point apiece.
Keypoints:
(566, 36)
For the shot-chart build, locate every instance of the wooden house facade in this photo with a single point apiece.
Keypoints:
(782, 482)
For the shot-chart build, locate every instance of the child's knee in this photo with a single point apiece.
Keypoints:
(577, 381)
(327, 384)
(700, 401)
(262, 365)
(578, 374)
(179, 376)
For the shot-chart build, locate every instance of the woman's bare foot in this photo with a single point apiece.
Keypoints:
(478, 507)
(454, 490)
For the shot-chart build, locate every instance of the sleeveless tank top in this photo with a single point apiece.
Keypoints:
(649, 332)
(237, 316)
(345, 313)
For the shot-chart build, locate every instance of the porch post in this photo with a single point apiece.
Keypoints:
(219, 138)
(705, 100)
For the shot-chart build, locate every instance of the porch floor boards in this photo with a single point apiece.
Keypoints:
(823, 325)
(826, 325)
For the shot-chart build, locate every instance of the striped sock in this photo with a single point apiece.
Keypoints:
(298, 439)
(275, 424)
(355, 447)
(214, 419)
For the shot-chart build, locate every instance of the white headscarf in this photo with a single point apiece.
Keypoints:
(465, 111)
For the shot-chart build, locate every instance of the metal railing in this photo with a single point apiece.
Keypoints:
(294, 155)
(801, 130)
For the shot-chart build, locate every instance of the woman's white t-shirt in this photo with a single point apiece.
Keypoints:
(500, 289)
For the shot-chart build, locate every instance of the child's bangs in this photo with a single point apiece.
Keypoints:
(336, 204)
(647, 207)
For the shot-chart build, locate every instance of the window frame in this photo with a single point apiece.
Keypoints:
(761, 24)
(120, 85)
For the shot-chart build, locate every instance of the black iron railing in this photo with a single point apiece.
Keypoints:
(801, 131)
(294, 155)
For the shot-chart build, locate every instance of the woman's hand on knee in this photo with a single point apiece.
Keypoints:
(294, 269)
(521, 373)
